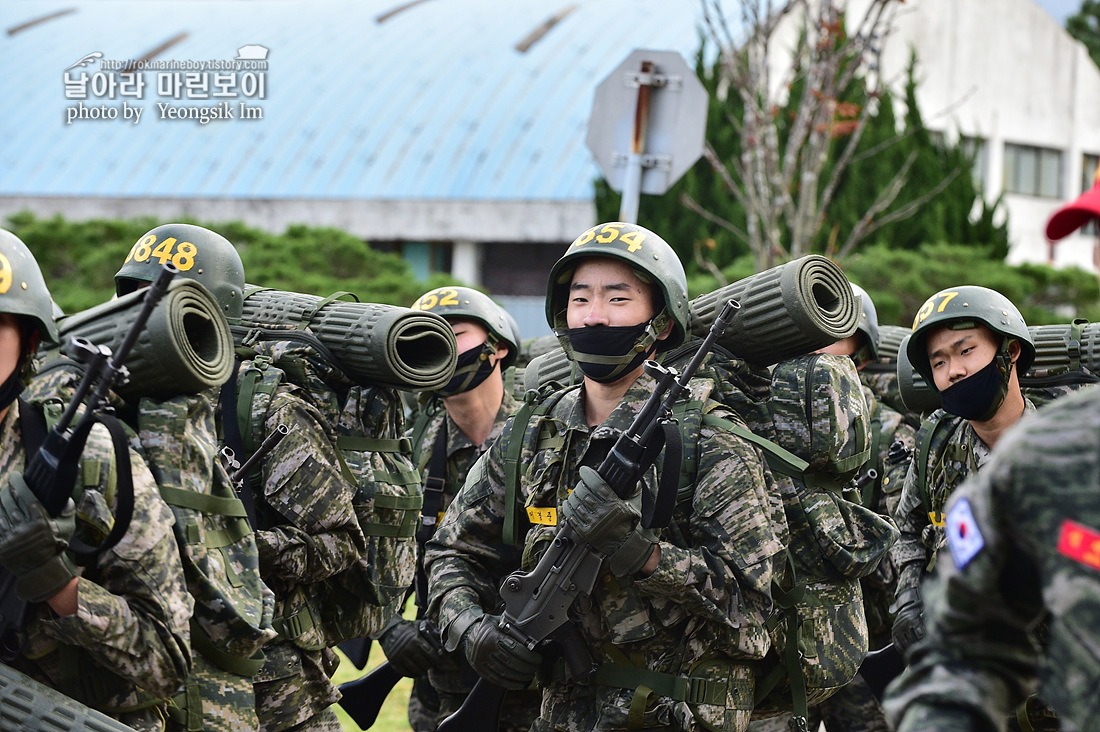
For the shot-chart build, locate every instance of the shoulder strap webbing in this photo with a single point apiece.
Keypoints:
(872, 489)
(535, 404)
(231, 430)
(434, 483)
(925, 438)
(780, 460)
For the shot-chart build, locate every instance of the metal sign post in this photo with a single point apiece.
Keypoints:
(648, 125)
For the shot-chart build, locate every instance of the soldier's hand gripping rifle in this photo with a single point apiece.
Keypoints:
(538, 603)
(51, 472)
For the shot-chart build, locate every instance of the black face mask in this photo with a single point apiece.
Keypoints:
(470, 370)
(606, 352)
(980, 395)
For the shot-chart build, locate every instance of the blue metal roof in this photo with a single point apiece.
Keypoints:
(434, 102)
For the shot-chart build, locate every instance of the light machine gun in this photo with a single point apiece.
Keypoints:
(538, 603)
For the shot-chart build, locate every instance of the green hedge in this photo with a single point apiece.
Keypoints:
(79, 259)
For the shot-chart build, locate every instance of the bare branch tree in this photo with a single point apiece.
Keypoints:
(788, 171)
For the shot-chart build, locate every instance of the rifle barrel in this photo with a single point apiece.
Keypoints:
(265, 447)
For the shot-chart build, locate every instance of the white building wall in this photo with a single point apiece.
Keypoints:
(1005, 71)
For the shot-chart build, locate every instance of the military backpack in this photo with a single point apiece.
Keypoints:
(387, 501)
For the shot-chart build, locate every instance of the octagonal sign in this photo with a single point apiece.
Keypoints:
(672, 119)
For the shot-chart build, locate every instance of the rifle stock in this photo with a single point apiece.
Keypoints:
(362, 699)
(537, 603)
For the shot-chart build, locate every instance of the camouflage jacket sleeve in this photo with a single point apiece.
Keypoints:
(909, 553)
(724, 572)
(133, 608)
(318, 535)
(466, 551)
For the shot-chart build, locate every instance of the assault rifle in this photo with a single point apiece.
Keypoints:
(52, 471)
(537, 604)
(363, 698)
(238, 472)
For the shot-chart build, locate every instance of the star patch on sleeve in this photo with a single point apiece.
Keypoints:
(964, 539)
(1080, 543)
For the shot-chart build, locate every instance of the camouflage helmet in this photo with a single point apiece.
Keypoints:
(464, 302)
(868, 320)
(968, 303)
(651, 258)
(200, 254)
(23, 291)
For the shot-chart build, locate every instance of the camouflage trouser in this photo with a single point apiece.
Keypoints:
(226, 702)
(852, 708)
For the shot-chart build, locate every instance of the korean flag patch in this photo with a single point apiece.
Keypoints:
(963, 537)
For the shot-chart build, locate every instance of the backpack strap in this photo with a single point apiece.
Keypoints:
(779, 459)
(925, 437)
(872, 490)
(536, 404)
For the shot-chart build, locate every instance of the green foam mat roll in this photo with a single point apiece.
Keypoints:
(889, 339)
(1062, 348)
(786, 311)
(185, 347)
(374, 344)
(31, 706)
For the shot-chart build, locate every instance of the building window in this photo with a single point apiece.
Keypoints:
(975, 149)
(1033, 171)
(1090, 176)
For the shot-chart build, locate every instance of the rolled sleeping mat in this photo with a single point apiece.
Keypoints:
(1063, 348)
(889, 339)
(31, 706)
(373, 344)
(185, 348)
(786, 311)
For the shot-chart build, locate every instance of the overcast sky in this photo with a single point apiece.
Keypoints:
(1061, 9)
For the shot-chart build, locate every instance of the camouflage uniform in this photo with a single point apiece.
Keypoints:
(854, 707)
(233, 610)
(330, 581)
(707, 600)
(126, 650)
(1021, 536)
(441, 692)
(956, 451)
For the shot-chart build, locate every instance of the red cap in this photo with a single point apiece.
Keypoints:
(1074, 215)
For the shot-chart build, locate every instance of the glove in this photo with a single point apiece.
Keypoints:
(598, 516)
(908, 620)
(499, 658)
(410, 653)
(608, 523)
(32, 545)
